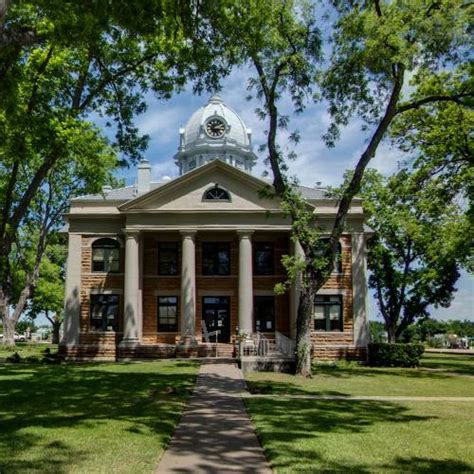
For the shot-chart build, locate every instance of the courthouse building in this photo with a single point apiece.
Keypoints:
(155, 267)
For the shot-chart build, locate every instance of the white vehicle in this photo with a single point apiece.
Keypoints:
(19, 337)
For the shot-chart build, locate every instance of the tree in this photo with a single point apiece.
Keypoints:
(48, 294)
(373, 47)
(418, 246)
(60, 63)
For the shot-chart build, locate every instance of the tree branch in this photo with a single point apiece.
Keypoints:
(431, 99)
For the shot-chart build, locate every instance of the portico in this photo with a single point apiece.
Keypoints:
(191, 285)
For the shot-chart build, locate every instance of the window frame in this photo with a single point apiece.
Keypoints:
(264, 304)
(258, 271)
(326, 302)
(207, 197)
(167, 327)
(104, 317)
(106, 245)
(160, 270)
(214, 248)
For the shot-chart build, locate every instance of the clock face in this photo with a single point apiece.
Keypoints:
(215, 128)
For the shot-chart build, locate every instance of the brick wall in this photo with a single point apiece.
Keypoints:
(209, 285)
(337, 344)
(97, 281)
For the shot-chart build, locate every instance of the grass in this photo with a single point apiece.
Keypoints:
(304, 435)
(26, 349)
(451, 363)
(364, 436)
(90, 418)
(352, 379)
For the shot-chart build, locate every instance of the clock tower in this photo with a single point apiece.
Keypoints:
(215, 132)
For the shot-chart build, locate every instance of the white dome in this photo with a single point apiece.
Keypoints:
(230, 142)
(236, 132)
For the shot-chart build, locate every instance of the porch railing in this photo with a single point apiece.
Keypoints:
(257, 345)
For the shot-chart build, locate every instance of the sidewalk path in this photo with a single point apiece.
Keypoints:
(215, 434)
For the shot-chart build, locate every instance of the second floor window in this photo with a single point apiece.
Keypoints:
(263, 259)
(216, 258)
(337, 267)
(168, 258)
(106, 256)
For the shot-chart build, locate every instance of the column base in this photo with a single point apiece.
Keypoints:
(188, 341)
(129, 342)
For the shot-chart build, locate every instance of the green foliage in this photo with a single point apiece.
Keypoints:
(377, 331)
(377, 43)
(59, 65)
(420, 240)
(48, 296)
(395, 355)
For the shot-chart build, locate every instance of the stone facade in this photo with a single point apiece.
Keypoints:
(136, 221)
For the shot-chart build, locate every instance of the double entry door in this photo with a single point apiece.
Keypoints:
(216, 316)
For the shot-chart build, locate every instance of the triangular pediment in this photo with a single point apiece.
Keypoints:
(186, 193)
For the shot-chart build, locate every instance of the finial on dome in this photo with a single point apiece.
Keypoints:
(216, 99)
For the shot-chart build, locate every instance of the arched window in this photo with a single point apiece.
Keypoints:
(106, 256)
(337, 261)
(216, 194)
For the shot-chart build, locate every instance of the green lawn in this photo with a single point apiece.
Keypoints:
(90, 418)
(26, 349)
(365, 436)
(456, 364)
(352, 379)
(304, 435)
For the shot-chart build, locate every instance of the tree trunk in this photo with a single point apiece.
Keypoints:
(303, 333)
(8, 330)
(391, 333)
(56, 328)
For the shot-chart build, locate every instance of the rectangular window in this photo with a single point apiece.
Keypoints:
(264, 312)
(168, 258)
(104, 312)
(328, 313)
(216, 258)
(167, 314)
(264, 263)
(105, 259)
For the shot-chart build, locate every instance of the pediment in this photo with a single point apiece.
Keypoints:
(186, 193)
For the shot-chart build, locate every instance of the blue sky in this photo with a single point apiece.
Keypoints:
(315, 162)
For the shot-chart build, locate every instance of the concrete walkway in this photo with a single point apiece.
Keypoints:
(215, 434)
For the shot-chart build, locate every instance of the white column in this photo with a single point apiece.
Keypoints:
(131, 315)
(359, 289)
(295, 290)
(188, 289)
(245, 282)
(72, 307)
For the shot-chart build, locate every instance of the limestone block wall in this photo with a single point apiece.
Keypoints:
(329, 344)
(98, 282)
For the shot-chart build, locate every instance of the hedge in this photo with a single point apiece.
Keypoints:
(382, 354)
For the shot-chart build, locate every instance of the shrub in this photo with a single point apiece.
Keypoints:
(395, 355)
(435, 342)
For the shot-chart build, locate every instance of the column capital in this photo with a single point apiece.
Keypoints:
(131, 233)
(188, 233)
(245, 233)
